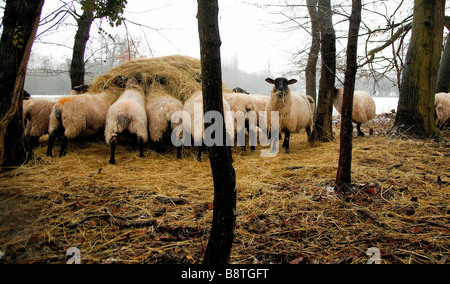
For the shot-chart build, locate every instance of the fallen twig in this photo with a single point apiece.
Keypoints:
(395, 167)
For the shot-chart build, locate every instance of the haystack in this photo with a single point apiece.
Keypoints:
(181, 75)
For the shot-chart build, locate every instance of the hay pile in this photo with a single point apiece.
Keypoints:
(180, 74)
(159, 209)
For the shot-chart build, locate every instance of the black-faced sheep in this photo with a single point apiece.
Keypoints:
(240, 91)
(75, 116)
(364, 108)
(442, 103)
(295, 111)
(79, 90)
(160, 108)
(127, 113)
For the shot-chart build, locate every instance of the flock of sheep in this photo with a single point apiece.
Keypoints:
(148, 113)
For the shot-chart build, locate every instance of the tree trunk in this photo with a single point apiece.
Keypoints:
(416, 110)
(20, 23)
(77, 67)
(323, 128)
(224, 216)
(311, 66)
(344, 176)
(443, 84)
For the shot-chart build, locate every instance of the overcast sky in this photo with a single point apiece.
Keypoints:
(249, 32)
(246, 33)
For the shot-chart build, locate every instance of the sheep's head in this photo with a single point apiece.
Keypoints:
(281, 85)
(240, 91)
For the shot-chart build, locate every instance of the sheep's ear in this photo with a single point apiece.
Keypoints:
(270, 81)
(292, 82)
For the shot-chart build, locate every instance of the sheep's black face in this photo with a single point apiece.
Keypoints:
(281, 84)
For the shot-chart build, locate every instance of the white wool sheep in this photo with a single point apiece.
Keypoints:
(260, 101)
(364, 108)
(75, 116)
(127, 113)
(194, 108)
(241, 104)
(160, 107)
(442, 103)
(294, 109)
(36, 117)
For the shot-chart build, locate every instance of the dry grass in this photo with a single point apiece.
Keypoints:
(286, 211)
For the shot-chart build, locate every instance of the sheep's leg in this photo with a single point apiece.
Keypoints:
(287, 138)
(358, 127)
(179, 152)
(112, 160)
(30, 144)
(285, 141)
(33, 143)
(252, 148)
(242, 134)
(64, 146)
(309, 132)
(199, 156)
(51, 143)
(141, 148)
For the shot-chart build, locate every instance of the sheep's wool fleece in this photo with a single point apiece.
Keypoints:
(364, 107)
(294, 110)
(81, 115)
(443, 107)
(36, 114)
(197, 124)
(128, 113)
(160, 107)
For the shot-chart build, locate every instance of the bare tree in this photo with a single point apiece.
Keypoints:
(77, 66)
(443, 83)
(323, 119)
(224, 216)
(416, 110)
(311, 67)
(343, 180)
(92, 9)
(20, 23)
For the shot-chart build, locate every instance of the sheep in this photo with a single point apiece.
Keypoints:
(160, 107)
(36, 117)
(195, 126)
(75, 116)
(364, 108)
(240, 91)
(127, 113)
(259, 101)
(241, 104)
(442, 104)
(294, 109)
(79, 90)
